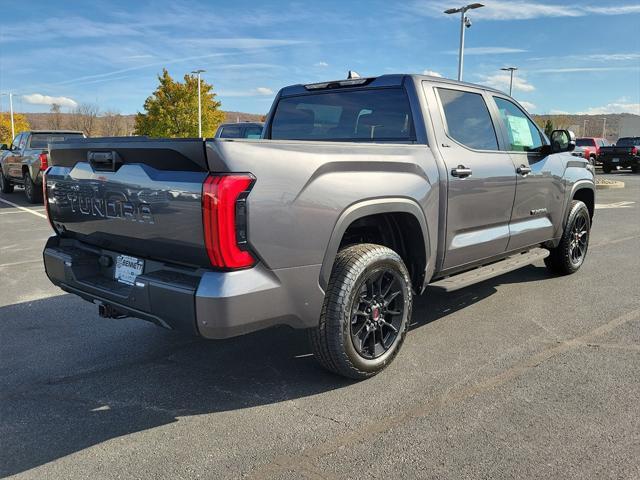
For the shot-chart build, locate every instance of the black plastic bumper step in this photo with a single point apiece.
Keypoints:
(461, 280)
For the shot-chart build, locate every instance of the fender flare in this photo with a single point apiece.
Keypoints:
(579, 185)
(364, 209)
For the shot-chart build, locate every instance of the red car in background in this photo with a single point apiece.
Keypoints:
(593, 144)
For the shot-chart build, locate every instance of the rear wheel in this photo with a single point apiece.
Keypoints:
(5, 184)
(606, 168)
(569, 255)
(366, 312)
(635, 168)
(31, 190)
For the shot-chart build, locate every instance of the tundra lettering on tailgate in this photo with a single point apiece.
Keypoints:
(110, 207)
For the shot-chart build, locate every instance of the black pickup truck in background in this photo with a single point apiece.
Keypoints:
(624, 154)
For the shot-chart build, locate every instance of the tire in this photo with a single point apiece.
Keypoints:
(31, 190)
(569, 255)
(606, 168)
(354, 315)
(5, 185)
(592, 160)
(635, 168)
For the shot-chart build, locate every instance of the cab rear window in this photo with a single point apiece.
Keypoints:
(370, 115)
(42, 140)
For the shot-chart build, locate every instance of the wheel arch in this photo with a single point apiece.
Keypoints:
(585, 192)
(401, 212)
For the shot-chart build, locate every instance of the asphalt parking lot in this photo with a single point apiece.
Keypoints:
(523, 376)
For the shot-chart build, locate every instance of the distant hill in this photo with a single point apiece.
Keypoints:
(112, 123)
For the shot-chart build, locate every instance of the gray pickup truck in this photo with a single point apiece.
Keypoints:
(360, 194)
(27, 156)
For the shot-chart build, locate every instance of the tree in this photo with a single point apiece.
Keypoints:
(172, 109)
(548, 128)
(55, 119)
(20, 123)
(83, 117)
(113, 124)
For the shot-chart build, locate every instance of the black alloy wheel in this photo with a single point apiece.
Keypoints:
(377, 313)
(579, 239)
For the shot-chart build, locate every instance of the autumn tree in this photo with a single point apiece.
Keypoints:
(548, 127)
(55, 119)
(83, 118)
(113, 125)
(172, 109)
(20, 123)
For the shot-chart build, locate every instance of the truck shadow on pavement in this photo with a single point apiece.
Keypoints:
(70, 380)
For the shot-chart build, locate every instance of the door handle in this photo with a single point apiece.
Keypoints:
(523, 170)
(461, 171)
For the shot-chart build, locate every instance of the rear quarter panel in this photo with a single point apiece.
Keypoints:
(302, 188)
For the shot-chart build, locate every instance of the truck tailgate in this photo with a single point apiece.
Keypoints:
(136, 196)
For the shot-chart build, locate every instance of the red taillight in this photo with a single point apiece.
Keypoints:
(225, 221)
(634, 151)
(44, 161)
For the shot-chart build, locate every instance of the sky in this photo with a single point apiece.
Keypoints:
(580, 57)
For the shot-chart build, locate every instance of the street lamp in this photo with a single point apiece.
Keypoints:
(198, 72)
(13, 130)
(464, 22)
(510, 69)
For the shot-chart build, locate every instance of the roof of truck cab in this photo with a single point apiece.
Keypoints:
(388, 80)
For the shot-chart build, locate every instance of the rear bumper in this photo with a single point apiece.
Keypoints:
(624, 162)
(195, 301)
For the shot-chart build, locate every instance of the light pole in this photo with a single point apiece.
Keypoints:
(198, 72)
(13, 130)
(510, 69)
(464, 22)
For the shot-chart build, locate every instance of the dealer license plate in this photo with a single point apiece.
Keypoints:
(128, 268)
(615, 160)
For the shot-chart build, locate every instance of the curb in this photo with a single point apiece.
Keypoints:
(609, 185)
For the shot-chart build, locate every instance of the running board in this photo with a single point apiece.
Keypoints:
(509, 264)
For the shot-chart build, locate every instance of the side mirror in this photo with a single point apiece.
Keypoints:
(563, 141)
(4, 147)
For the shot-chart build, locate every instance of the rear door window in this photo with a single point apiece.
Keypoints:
(468, 119)
(523, 134)
(371, 115)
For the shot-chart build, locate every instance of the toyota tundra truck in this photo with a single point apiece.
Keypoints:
(23, 162)
(359, 195)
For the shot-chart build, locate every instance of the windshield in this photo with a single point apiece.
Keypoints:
(42, 140)
(363, 115)
(585, 142)
(628, 142)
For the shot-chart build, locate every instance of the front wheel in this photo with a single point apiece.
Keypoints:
(570, 253)
(366, 312)
(31, 190)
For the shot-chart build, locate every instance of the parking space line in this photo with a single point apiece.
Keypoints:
(25, 209)
(13, 264)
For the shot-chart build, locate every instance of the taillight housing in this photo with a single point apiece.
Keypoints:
(224, 218)
(634, 151)
(44, 161)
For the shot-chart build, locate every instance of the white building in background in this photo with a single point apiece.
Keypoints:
(629, 126)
